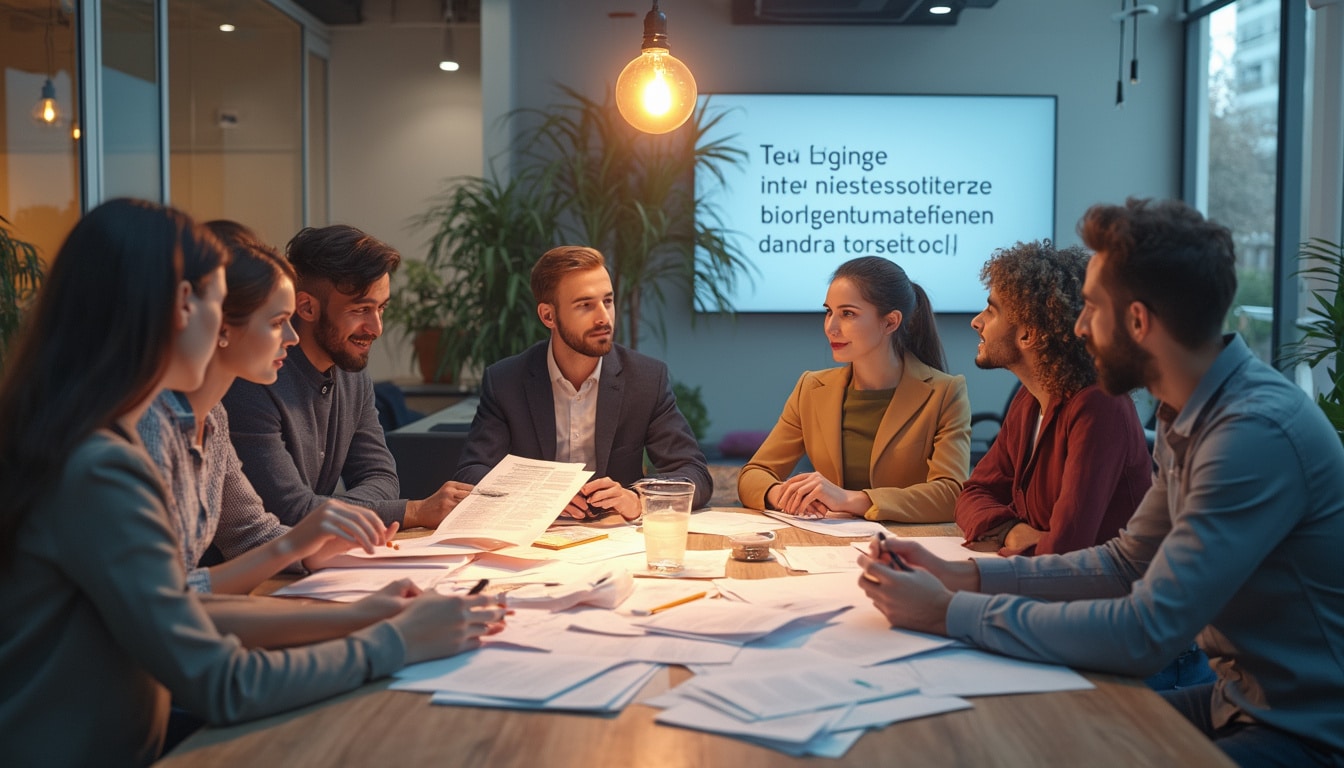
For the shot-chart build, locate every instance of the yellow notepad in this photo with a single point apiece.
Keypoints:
(568, 537)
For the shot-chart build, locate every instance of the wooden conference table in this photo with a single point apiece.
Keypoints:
(1119, 723)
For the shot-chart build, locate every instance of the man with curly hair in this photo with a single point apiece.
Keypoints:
(1070, 462)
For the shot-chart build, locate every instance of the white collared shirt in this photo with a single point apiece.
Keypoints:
(575, 414)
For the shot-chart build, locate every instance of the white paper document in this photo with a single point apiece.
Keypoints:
(795, 729)
(761, 695)
(700, 564)
(863, 636)
(729, 621)
(724, 523)
(504, 674)
(948, 547)
(513, 504)
(610, 691)
(842, 527)
(968, 672)
(350, 584)
(819, 559)
(842, 589)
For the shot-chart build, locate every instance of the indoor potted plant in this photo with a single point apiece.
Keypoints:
(631, 195)
(20, 275)
(475, 279)
(420, 309)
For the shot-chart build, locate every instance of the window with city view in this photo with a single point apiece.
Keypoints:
(1237, 150)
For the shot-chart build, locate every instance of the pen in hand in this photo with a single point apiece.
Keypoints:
(478, 588)
(891, 557)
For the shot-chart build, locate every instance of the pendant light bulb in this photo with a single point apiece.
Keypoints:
(46, 112)
(656, 92)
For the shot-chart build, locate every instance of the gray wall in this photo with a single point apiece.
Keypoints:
(399, 128)
(1067, 48)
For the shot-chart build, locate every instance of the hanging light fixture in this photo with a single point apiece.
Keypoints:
(47, 112)
(449, 61)
(656, 92)
(1130, 10)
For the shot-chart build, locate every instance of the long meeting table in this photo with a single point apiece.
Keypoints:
(1121, 722)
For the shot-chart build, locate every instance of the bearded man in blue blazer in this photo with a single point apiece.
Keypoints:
(580, 397)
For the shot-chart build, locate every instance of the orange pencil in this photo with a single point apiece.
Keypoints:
(673, 604)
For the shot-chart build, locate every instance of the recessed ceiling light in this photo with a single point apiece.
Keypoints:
(939, 10)
(226, 27)
(448, 66)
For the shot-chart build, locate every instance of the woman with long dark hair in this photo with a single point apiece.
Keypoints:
(96, 624)
(888, 433)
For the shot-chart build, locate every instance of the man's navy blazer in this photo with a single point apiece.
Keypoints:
(636, 411)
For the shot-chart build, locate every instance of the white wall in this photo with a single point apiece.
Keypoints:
(399, 127)
(381, 172)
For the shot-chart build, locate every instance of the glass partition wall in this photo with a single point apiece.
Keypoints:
(216, 106)
(40, 177)
(235, 95)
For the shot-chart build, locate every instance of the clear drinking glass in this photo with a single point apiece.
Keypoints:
(666, 509)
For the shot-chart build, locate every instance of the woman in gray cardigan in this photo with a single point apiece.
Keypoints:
(97, 628)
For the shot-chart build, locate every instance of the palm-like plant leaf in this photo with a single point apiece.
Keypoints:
(1323, 336)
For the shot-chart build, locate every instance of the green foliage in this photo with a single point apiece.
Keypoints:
(631, 195)
(422, 299)
(1323, 339)
(475, 278)
(20, 276)
(692, 406)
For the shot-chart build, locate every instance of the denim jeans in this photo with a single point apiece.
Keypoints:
(1249, 745)
(1188, 670)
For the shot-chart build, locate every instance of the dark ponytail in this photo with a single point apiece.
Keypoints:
(885, 285)
(919, 332)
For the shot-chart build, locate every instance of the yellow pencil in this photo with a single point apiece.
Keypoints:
(675, 603)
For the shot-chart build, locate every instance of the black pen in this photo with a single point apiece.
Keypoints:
(892, 557)
(480, 585)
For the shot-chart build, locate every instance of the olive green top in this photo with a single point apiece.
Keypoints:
(863, 412)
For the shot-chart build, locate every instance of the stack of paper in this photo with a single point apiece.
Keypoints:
(350, 584)
(521, 680)
(736, 623)
(820, 710)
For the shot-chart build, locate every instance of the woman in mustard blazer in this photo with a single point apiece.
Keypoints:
(889, 433)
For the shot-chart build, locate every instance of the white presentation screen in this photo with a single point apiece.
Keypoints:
(935, 183)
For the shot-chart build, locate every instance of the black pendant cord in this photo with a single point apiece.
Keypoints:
(1120, 70)
(1134, 61)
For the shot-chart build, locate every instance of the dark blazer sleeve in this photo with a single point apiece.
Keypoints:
(488, 439)
(671, 445)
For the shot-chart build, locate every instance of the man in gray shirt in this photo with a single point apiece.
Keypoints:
(1237, 543)
(317, 424)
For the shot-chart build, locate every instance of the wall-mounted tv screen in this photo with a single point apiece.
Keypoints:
(935, 183)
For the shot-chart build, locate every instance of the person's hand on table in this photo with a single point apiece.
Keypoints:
(433, 626)
(810, 495)
(1021, 536)
(917, 598)
(333, 528)
(431, 511)
(606, 494)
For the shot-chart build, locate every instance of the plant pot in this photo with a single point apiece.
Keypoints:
(426, 344)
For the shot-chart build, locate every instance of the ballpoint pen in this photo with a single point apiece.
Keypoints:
(891, 557)
(480, 585)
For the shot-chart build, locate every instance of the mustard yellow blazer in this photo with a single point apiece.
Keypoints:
(921, 453)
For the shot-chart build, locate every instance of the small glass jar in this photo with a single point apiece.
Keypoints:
(752, 547)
